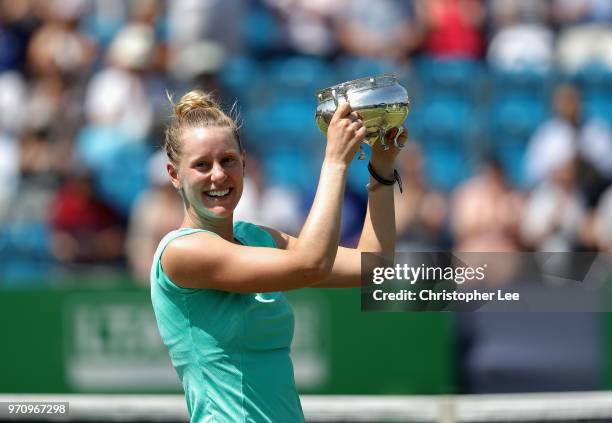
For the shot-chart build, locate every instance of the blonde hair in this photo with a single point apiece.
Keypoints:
(194, 110)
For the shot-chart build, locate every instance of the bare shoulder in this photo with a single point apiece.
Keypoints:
(188, 251)
(205, 260)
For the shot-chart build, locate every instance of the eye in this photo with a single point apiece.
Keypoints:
(229, 161)
(201, 165)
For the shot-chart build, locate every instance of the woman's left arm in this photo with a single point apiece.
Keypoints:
(378, 233)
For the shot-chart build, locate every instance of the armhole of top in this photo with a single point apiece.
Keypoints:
(166, 281)
(266, 237)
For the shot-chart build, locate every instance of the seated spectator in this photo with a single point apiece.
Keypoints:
(485, 212)
(308, 24)
(268, 205)
(585, 34)
(520, 35)
(556, 212)
(420, 213)
(13, 88)
(568, 133)
(9, 172)
(116, 95)
(451, 28)
(191, 21)
(156, 212)
(84, 229)
(517, 45)
(575, 12)
(507, 12)
(581, 45)
(386, 30)
(58, 45)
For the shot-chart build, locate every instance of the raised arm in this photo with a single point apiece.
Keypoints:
(378, 233)
(204, 260)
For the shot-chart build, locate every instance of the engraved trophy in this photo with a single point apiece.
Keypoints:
(381, 102)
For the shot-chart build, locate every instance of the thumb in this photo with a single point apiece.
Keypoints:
(342, 111)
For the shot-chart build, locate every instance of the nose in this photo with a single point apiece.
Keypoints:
(217, 173)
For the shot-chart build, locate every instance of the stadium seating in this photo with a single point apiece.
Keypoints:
(25, 250)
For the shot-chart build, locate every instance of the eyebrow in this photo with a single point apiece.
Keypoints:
(227, 152)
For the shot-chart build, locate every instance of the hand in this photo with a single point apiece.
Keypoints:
(384, 160)
(344, 135)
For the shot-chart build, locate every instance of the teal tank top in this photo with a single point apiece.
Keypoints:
(230, 350)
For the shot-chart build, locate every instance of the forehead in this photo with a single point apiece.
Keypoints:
(207, 140)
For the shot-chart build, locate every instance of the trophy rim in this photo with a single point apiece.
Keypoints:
(359, 83)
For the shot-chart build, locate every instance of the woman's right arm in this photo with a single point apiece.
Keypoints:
(203, 260)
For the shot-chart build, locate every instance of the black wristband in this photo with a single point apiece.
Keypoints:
(383, 181)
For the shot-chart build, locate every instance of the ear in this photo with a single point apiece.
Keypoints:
(244, 157)
(173, 173)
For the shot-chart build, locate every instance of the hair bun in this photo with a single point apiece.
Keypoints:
(193, 100)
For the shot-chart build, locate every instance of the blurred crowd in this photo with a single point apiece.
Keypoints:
(510, 149)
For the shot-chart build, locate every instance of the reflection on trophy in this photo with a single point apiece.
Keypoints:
(380, 100)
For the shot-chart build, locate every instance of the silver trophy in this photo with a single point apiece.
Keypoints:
(381, 102)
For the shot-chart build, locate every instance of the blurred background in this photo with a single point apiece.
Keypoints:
(510, 150)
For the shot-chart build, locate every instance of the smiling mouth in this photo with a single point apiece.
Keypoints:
(218, 193)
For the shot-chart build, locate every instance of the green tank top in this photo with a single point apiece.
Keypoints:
(230, 350)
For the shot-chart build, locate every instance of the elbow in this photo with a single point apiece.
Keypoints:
(317, 271)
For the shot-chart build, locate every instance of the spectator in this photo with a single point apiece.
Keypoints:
(57, 46)
(191, 21)
(568, 133)
(451, 28)
(520, 36)
(84, 229)
(17, 22)
(13, 90)
(384, 31)
(585, 34)
(9, 173)
(556, 210)
(157, 211)
(507, 12)
(575, 12)
(116, 96)
(308, 24)
(421, 214)
(486, 212)
(266, 204)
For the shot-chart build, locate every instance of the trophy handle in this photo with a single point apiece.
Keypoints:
(400, 130)
(334, 94)
(381, 134)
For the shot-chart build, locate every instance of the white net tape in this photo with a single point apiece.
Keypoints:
(553, 407)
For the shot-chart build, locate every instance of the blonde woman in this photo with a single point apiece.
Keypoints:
(215, 283)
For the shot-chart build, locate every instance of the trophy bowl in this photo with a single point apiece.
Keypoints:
(381, 102)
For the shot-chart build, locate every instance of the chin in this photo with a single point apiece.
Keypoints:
(221, 213)
(223, 210)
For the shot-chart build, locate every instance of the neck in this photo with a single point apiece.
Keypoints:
(222, 227)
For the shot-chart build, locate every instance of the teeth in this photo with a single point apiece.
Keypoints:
(218, 193)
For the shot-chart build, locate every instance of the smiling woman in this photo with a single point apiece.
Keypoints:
(215, 283)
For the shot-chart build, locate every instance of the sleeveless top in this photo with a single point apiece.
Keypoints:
(230, 350)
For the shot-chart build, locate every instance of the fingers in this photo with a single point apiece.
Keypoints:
(361, 133)
(353, 116)
(343, 110)
(356, 124)
(392, 136)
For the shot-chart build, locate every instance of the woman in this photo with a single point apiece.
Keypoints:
(215, 283)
